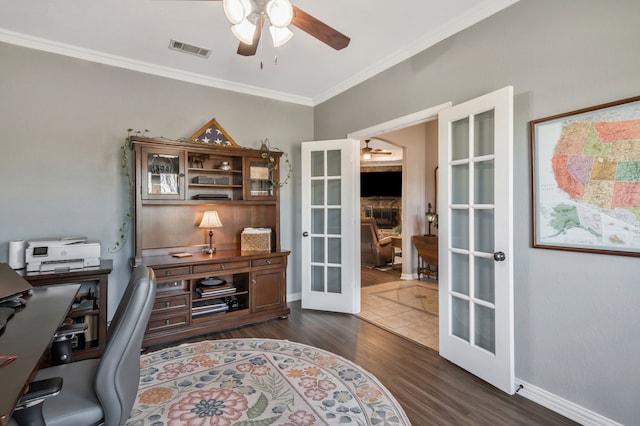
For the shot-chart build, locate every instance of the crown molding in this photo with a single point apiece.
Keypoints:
(45, 45)
(447, 29)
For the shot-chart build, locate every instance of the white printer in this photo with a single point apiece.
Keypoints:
(62, 253)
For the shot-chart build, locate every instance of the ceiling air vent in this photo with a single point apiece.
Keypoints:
(189, 48)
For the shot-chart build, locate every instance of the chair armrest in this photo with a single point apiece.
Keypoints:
(40, 390)
(385, 241)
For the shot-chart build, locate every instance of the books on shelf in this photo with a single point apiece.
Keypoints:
(215, 291)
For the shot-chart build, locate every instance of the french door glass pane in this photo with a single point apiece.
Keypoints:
(460, 139)
(317, 278)
(460, 273)
(484, 133)
(460, 228)
(460, 318)
(317, 249)
(485, 328)
(334, 279)
(317, 221)
(333, 163)
(483, 181)
(334, 250)
(317, 192)
(334, 224)
(460, 184)
(483, 230)
(334, 196)
(484, 276)
(317, 163)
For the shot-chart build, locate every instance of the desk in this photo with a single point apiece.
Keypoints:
(99, 277)
(427, 247)
(28, 335)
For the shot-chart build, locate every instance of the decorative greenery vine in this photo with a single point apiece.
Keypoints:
(266, 149)
(123, 230)
(126, 146)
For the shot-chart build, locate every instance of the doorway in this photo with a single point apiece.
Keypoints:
(396, 299)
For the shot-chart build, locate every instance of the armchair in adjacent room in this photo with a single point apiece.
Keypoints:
(373, 250)
(97, 391)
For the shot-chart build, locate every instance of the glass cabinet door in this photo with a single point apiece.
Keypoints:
(162, 174)
(259, 177)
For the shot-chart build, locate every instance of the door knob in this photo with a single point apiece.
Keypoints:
(499, 256)
(305, 234)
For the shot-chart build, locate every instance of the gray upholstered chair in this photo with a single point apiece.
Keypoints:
(102, 390)
(373, 250)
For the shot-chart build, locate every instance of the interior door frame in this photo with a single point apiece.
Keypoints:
(409, 227)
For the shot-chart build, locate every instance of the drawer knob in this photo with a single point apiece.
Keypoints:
(221, 266)
(167, 304)
(167, 273)
(268, 261)
(167, 322)
(253, 281)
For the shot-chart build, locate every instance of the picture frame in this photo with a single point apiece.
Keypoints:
(212, 133)
(585, 174)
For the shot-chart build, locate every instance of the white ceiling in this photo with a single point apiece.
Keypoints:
(135, 34)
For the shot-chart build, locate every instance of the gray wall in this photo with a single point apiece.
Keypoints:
(577, 324)
(62, 122)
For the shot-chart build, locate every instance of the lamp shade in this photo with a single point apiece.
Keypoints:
(280, 12)
(210, 219)
(244, 31)
(280, 35)
(236, 10)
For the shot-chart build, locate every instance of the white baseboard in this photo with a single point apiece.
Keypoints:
(293, 297)
(562, 406)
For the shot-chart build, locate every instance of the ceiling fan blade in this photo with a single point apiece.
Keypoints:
(319, 29)
(250, 49)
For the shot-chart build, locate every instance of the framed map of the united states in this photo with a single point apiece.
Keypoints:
(586, 179)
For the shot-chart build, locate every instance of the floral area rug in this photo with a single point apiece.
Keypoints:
(254, 382)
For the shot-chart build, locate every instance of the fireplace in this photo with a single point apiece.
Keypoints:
(386, 217)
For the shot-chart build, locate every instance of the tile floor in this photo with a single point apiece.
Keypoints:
(407, 308)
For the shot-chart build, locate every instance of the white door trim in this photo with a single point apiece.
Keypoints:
(418, 204)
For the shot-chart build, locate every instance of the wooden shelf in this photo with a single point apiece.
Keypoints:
(167, 221)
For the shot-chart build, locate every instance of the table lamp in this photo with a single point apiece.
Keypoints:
(210, 220)
(431, 217)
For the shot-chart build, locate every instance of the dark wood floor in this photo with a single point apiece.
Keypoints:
(369, 276)
(431, 390)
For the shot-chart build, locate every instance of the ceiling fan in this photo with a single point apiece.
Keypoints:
(367, 152)
(248, 17)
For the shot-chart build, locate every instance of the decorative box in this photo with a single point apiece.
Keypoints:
(255, 239)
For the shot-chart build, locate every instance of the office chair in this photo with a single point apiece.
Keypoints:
(101, 390)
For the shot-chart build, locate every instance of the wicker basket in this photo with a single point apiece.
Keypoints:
(255, 239)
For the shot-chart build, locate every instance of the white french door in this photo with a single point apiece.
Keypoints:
(330, 226)
(475, 238)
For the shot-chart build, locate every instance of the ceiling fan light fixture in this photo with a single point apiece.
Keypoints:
(280, 12)
(244, 31)
(236, 10)
(280, 36)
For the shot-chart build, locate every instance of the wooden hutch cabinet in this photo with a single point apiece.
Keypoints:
(199, 293)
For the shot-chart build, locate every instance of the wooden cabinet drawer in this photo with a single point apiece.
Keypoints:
(171, 272)
(267, 261)
(217, 267)
(170, 303)
(164, 321)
